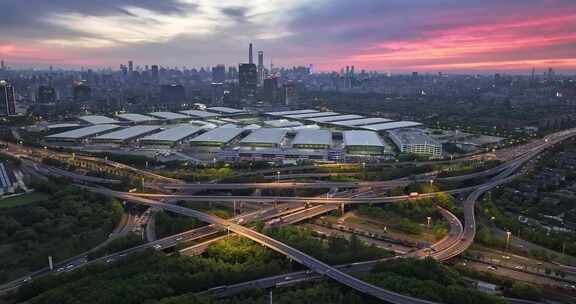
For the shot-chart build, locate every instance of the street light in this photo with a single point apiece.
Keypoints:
(277, 176)
(508, 234)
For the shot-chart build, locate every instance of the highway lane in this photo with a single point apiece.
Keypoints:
(284, 185)
(269, 242)
(164, 243)
(311, 200)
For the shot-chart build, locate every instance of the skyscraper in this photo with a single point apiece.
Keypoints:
(2, 65)
(155, 73)
(247, 81)
(260, 68)
(130, 67)
(290, 95)
(82, 93)
(46, 95)
(219, 73)
(172, 93)
(7, 99)
(217, 97)
(250, 57)
(270, 89)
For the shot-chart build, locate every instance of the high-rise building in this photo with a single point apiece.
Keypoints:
(130, 67)
(219, 73)
(82, 93)
(232, 72)
(217, 94)
(2, 65)
(260, 68)
(155, 73)
(247, 82)
(250, 57)
(46, 95)
(172, 93)
(290, 94)
(270, 89)
(7, 99)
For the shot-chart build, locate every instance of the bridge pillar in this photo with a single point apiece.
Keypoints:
(342, 209)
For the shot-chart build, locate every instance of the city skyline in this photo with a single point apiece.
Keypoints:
(397, 36)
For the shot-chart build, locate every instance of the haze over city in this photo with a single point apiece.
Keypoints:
(288, 152)
(397, 35)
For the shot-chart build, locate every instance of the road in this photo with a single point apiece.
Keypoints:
(298, 256)
(311, 200)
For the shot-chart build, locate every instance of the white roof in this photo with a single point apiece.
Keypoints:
(266, 136)
(63, 125)
(362, 138)
(335, 118)
(362, 122)
(311, 115)
(413, 137)
(128, 133)
(136, 117)
(218, 135)
(313, 137)
(199, 114)
(84, 132)
(291, 112)
(225, 110)
(392, 125)
(282, 123)
(97, 119)
(169, 115)
(173, 134)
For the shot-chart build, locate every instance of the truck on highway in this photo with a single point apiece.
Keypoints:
(413, 194)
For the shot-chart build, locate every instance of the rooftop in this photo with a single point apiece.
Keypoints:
(225, 110)
(413, 136)
(128, 133)
(282, 123)
(173, 134)
(219, 135)
(97, 119)
(136, 117)
(199, 114)
(84, 132)
(336, 118)
(362, 122)
(362, 138)
(291, 112)
(313, 137)
(392, 125)
(311, 115)
(265, 136)
(169, 115)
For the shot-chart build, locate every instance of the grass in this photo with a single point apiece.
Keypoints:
(22, 200)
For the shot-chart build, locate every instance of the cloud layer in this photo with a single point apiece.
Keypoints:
(396, 35)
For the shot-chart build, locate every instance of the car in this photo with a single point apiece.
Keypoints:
(493, 268)
(179, 238)
(506, 257)
(288, 278)
(109, 260)
(519, 267)
(157, 246)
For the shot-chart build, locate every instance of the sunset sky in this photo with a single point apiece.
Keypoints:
(383, 35)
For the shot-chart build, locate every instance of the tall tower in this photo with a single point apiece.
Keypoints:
(260, 68)
(250, 57)
(130, 67)
(7, 99)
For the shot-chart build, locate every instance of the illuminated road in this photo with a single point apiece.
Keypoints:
(302, 258)
(310, 199)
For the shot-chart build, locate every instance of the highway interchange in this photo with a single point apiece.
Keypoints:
(454, 244)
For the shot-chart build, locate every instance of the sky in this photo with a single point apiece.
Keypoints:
(383, 35)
